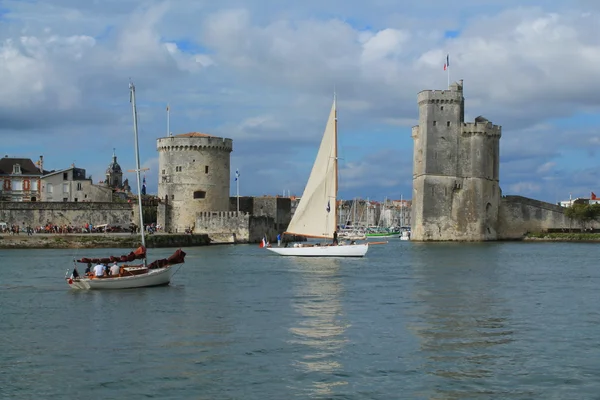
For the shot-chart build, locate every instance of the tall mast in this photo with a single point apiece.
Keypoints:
(137, 162)
(335, 158)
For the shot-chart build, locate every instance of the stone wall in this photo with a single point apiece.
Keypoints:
(277, 208)
(69, 213)
(520, 215)
(234, 227)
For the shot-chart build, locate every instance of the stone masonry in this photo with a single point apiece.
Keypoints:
(456, 192)
(194, 177)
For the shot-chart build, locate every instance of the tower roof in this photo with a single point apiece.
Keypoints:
(194, 134)
(114, 167)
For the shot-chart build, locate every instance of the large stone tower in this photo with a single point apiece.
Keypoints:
(194, 176)
(456, 190)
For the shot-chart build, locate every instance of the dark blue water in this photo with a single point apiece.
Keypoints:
(409, 321)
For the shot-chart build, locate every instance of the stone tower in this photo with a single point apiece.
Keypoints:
(456, 190)
(114, 174)
(194, 176)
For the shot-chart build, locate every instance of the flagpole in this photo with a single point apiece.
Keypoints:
(168, 120)
(448, 68)
(237, 181)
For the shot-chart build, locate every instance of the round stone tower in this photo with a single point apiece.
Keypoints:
(194, 176)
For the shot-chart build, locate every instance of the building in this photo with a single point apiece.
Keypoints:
(71, 184)
(20, 179)
(114, 177)
(456, 192)
(194, 177)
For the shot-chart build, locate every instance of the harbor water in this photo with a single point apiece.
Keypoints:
(408, 321)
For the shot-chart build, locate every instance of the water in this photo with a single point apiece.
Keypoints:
(409, 321)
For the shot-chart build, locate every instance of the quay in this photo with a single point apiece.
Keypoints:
(101, 240)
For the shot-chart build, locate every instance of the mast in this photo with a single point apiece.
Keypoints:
(335, 160)
(137, 162)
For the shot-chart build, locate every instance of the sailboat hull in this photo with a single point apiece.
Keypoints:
(350, 250)
(154, 277)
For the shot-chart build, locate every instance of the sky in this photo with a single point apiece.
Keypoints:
(263, 73)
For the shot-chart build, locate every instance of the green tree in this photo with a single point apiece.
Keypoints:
(583, 213)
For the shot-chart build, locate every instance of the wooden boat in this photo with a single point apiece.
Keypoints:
(156, 273)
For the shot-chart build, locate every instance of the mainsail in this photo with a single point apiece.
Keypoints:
(316, 212)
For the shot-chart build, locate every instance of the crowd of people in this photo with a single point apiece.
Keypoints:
(49, 228)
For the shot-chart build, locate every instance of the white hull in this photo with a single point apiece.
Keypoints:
(348, 250)
(154, 277)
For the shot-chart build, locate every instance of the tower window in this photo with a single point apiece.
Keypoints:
(199, 194)
(65, 176)
(79, 186)
(442, 108)
(434, 123)
(172, 197)
(206, 169)
(163, 171)
(447, 123)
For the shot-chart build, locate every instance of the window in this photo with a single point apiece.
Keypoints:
(434, 123)
(178, 169)
(16, 169)
(163, 172)
(65, 176)
(79, 188)
(442, 108)
(17, 185)
(65, 199)
(172, 197)
(206, 169)
(447, 123)
(49, 188)
(34, 184)
(65, 188)
(199, 194)
(85, 196)
(75, 199)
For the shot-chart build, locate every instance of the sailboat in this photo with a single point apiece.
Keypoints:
(315, 216)
(156, 273)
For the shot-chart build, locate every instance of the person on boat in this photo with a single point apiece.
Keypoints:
(88, 269)
(114, 269)
(335, 239)
(99, 271)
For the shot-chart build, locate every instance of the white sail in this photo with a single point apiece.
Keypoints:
(316, 212)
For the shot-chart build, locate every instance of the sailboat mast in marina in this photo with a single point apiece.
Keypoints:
(316, 215)
(137, 161)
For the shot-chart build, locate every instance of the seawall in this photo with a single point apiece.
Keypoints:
(99, 240)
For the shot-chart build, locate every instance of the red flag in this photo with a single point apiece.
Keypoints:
(593, 196)
(262, 243)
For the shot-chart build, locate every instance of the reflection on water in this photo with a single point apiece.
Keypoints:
(320, 327)
(463, 320)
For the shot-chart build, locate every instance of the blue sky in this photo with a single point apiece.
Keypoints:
(263, 73)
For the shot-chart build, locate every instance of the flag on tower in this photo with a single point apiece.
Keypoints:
(144, 185)
(167, 107)
(447, 65)
(237, 174)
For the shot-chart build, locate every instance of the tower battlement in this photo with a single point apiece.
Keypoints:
(481, 129)
(453, 95)
(187, 142)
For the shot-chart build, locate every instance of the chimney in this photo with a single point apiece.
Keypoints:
(41, 164)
